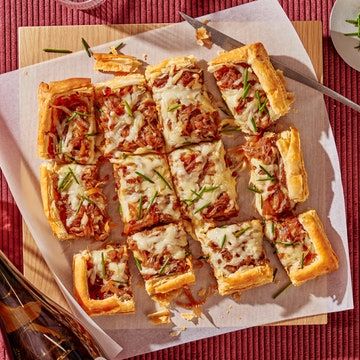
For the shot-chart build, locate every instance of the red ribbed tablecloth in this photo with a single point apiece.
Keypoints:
(337, 340)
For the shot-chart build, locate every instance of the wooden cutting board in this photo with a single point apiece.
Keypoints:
(31, 42)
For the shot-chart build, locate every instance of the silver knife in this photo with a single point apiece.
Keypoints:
(228, 43)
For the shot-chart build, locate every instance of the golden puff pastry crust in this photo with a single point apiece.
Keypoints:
(49, 203)
(302, 246)
(289, 146)
(162, 258)
(272, 80)
(327, 260)
(49, 137)
(166, 284)
(236, 254)
(116, 63)
(79, 190)
(95, 307)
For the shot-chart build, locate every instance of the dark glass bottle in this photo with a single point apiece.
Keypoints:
(34, 327)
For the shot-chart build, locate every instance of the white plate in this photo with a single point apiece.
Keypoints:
(345, 45)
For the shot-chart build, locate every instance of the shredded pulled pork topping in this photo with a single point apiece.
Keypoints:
(128, 119)
(293, 244)
(108, 273)
(72, 128)
(268, 177)
(80, 201)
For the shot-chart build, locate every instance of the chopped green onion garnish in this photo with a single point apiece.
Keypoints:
(351, 34)
(223, 241)
(74, 114)
(280, 291)
(153, 199)
(80, 204)
(87, 47)
(203, 257)
(253, 124)
(272, 228)
(163, 179)
(241, 231)
(245, 77)
(354, 22)
(266, 179)
(103, 265)
(261, 201)
(138, 263)
(65, 182)
(202, 207)
(144, 177)
(263, 106)
(92, 134)
(120, 210)
(286, 244)
(164, 265)
(266, 172)
(119, 47)
(254, 189)
(173, 107)
(60, 146)
(128, 109)
(246, 91)
(73, 175)
(140, 208)
(58, 51)
(274, 274)
(302, 260)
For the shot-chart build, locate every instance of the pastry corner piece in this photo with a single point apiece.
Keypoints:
(101, 281)
(302, 246)
(116, 63)
(236, 254)
(73, 201)
(67, 122)
(162, 257)
(278, 177)
(253, 90)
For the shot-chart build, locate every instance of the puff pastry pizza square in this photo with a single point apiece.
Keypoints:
(302, 246)
(101, 280)
(278, 176)
(236, 254)
(67, 126)
(204, 184)
(253, 90)
(127, 117)
(116, 63)
(145, 191)
(186, 111)
(162, 257)
(73, 201)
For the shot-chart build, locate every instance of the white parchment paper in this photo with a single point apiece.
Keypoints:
(264, 21)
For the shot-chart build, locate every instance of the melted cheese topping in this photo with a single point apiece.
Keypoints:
(65, 145)
(170, 239)
(243, 241)
(134, 187)
(114, 136)
(106, 269)
(216, 182)
(171, 94)
(70, 181)
(291, 255)
(250, 114)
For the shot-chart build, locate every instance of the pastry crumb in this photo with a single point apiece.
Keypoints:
(160, 317)
(188, 316)
(177, 332)
(203, 37)
(202, 292)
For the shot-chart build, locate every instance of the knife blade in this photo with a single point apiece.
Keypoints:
(228, 43)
